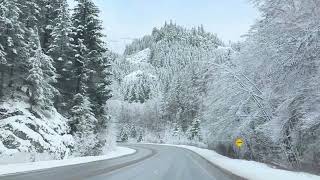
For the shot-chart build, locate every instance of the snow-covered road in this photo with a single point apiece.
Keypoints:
(162, 162)
(149, 162)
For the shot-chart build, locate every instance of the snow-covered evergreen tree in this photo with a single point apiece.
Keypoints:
(41, 77)
(194, 132)
(139, 86)
(83, 124)
(61, 50)
(49, 10)
(30, 13)
(3, 19)
(92, 67)
(88, 36)
(14, 47)
(36, 80)
(2, 55)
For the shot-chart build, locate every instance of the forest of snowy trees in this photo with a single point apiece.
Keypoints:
(176, 85)
(53, 60)
(187, 86)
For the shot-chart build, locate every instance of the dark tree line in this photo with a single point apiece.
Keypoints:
(58, 61)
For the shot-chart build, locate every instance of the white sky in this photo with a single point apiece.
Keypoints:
(127, 19)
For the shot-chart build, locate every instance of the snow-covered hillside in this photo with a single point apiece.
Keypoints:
(136, 75)
(142, 56)
(140, 61)
(23, 130)
(138, 78)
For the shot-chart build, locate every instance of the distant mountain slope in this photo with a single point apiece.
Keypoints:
(141, 56)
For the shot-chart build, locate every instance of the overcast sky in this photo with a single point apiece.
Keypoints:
(127, 19)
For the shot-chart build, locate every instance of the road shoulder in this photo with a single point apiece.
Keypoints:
(244, 169)
(10, 169)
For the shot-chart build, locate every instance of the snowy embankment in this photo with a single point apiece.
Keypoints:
(24, 167)
(248, 169)
(32, 131)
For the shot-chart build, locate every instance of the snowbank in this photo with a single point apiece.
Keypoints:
(32, 131)
(23, 167)
(248, 169)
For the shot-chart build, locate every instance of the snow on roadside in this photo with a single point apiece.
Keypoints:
(32, 166)
(29, 131)
(248, 169)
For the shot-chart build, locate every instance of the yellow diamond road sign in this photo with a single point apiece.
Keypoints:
(239, 142)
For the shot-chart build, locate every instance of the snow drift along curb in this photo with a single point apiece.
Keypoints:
(32, 166)
(247, 169)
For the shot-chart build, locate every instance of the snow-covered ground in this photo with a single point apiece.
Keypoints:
(248, 169)
(23, 130)
(140, 57)
(23, 167)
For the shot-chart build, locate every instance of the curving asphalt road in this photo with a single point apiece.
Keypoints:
(150, 162)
